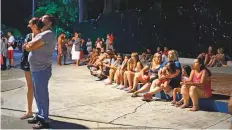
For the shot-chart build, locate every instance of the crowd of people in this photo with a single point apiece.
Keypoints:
(159, 72)
(74, 48)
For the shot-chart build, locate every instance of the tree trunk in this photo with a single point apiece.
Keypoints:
(117, 4)
(108, 6)
(81, 10)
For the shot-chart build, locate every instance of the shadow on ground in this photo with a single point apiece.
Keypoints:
(55, 124)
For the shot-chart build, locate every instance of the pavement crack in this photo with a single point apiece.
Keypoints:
(217, 122)
(135, 110)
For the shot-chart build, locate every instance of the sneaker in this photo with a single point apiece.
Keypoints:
(34, 120)
(119, 86)
(41, 125)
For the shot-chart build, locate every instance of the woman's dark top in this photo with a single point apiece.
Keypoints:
(24, 64)
(153, 72)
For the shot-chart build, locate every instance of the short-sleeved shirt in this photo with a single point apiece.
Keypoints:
(11, 40)
(77, 44)
(109, 61)
(117, 63)
(41, 58)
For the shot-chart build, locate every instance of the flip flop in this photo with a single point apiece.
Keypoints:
(26, 116)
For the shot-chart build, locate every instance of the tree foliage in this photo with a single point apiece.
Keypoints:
(15, 31)
(66, 12)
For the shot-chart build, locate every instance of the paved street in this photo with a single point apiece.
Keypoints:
(77, 100)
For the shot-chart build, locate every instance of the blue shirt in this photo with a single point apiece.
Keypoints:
(178, 67)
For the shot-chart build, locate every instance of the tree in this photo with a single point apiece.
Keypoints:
(66, 12)
(15, 31)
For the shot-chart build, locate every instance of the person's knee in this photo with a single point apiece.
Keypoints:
(192, 90)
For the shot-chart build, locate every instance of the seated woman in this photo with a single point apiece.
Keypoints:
(93, 57)
(148, 73)
(118, 77)
(175, 78)
(113, 68)
(134, 65)
(219, 60)
(198, 85)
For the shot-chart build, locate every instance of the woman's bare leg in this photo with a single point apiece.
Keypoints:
(136, 81)
(111, 75)
(125, 78)
(30, 95)
(144, 88)
(130, 78)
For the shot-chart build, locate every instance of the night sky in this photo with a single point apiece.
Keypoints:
(15, 13)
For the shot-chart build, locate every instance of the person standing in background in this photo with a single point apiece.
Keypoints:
(11, 42)
(89, 45)
(3, 52)
(61, 40)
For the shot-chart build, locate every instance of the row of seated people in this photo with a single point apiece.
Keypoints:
(215, 60)
(156, 76)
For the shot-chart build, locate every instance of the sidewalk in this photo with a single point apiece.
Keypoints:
(75, 97)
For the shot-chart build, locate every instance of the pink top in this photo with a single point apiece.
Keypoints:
(207, 86)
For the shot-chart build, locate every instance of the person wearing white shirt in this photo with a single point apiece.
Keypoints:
(11, 41)
(89, 45)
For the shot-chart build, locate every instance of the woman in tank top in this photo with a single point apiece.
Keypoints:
(148, 73)
(198, 86)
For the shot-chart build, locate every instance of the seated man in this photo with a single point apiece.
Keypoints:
(207, 56)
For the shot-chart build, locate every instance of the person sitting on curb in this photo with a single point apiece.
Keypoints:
(198, 86)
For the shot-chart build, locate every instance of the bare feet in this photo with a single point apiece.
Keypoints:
(194, 108)
(109, 83)
(184, 106)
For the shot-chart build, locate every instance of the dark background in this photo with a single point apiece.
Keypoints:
(189, 26)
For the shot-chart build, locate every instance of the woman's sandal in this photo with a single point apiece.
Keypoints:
(131, 91)
(134, 95)
(194, 108)
(173, 103)
(26, 116)
(147, 97)
(178, 104)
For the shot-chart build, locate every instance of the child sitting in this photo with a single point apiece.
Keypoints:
(168, 69)
(186, 70)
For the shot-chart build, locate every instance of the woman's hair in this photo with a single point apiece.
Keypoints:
(176, 55)
(34, 20)
(172, 67)
(220, 49)
(155, 56)
(187, 69)
(203, 67)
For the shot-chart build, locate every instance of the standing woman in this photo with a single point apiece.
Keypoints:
(76, 49)
(24, 65)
